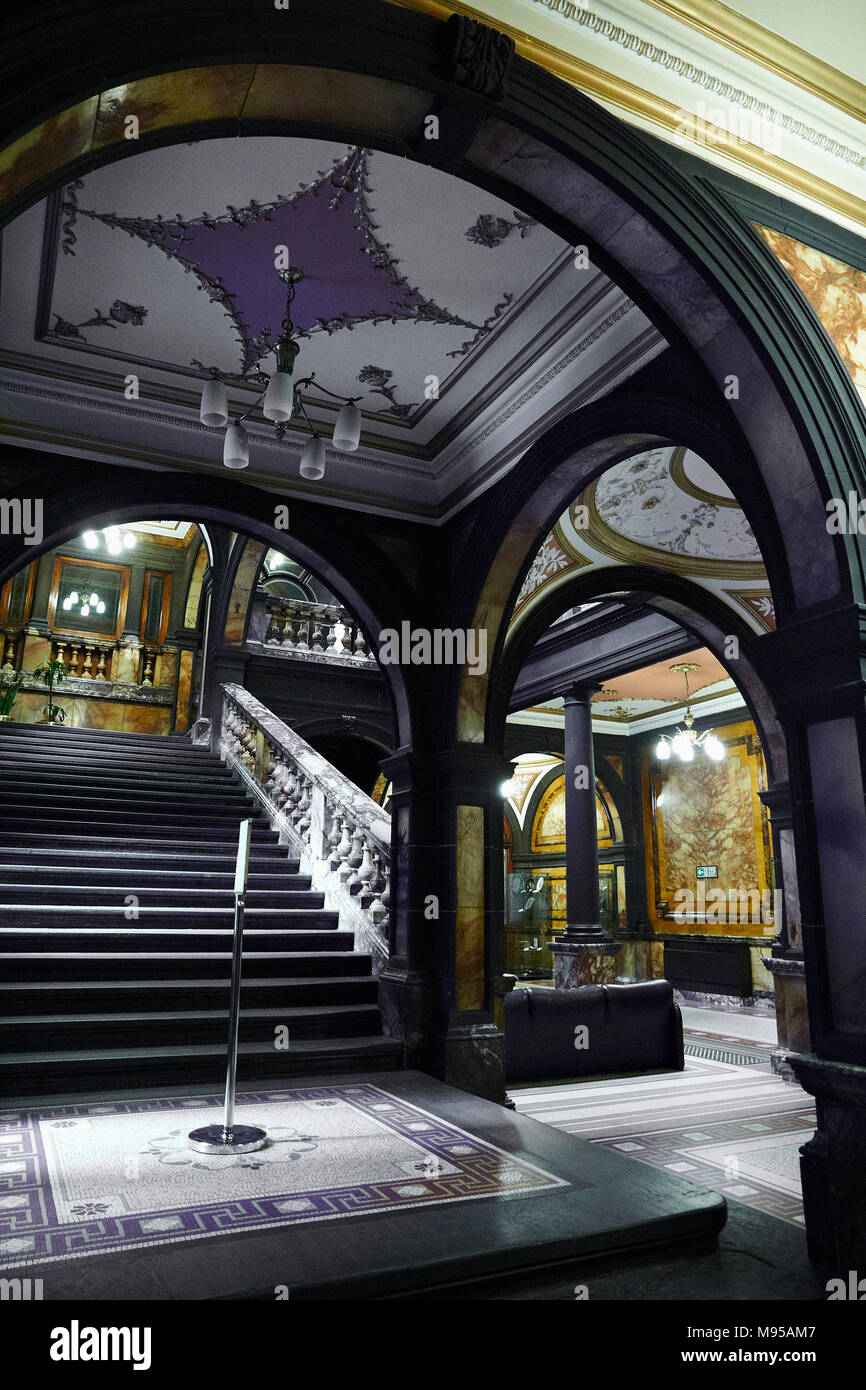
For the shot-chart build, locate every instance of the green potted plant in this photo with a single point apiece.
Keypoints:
(8, 695)
(51, 673)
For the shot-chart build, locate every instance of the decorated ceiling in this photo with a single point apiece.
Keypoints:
(650, 696)
(665, 508)
(407, 272)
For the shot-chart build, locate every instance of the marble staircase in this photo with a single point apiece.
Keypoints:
(116, 910)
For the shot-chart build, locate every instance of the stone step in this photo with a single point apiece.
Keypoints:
(189, 900)
(136, 1027)
(116, 939)
(131, 878)
(173, 858)
(88, 835)
(52, 1072)
(81, 916)
(98, 996)
(129, 967)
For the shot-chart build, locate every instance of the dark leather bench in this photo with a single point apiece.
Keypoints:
(630, 1028)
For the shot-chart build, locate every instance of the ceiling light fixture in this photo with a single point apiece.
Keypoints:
(280, 399)
(684, 741)
(116, 538)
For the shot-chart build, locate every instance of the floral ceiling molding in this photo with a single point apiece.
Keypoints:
(386, 247)
(837, 293)
(664, 508)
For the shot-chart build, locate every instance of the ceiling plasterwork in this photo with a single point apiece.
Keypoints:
(664, 508)
(696, 73)
(462, 325)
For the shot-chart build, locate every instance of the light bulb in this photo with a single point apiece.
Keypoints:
(94, 599)
(236, 449)
(347, 431)
(85, 610)
(91, 540)
(73, 597)
(67, 604)
(313, 458)
(277, 405)
(682, 746)
(100, 607)
(214, 404)
(714, 748)
(663, 749)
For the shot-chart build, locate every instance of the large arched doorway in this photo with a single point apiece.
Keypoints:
(790, 441)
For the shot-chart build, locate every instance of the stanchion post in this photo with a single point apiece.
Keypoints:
(229, 1138)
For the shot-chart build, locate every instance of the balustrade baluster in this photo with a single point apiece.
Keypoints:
(355, 860)
(318, 634)
(366, 874)
(377, 909)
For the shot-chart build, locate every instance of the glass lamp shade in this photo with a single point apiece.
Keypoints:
(91, 540)
(313, 458)
(663, 750)
(214, 404)
(128, 540)
(277, 405)
(236, 449)
(507, 788)
(714, 748)
(347, 431)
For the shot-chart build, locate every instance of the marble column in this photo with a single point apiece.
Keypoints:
(786, 964)
(584, 953)
(441, 992)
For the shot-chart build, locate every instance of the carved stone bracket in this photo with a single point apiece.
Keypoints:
(478, 56)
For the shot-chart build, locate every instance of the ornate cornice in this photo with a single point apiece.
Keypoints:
(643, 104)
(682, 67)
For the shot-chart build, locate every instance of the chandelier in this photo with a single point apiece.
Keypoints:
(117, 539)
(684, 741)
(90, 603)
(278, 400)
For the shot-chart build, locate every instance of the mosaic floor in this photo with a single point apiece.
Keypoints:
(94, 1178)
(729, 1125)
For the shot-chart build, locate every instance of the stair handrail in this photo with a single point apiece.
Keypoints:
(344, 837)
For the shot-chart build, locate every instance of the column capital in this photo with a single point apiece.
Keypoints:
(580, 692)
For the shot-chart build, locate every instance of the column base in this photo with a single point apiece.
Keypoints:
(406, 1006)
(472, 1058)
(792, 1016)
(588, 962)
(833, 1162)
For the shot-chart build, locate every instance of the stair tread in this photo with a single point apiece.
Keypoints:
(263, 982)
(296, 1011)
(372, 1042)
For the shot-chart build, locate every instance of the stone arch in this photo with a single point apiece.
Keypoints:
(673, 242)
(371, 589)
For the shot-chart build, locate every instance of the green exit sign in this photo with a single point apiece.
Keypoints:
(708, 871)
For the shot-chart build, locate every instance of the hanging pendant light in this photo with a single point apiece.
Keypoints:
(684, 741)
(347, 431)
(279, 398)
(313, 458)
(236, 449)
(214, 404)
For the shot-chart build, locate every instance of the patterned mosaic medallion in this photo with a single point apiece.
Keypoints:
(92, 1179)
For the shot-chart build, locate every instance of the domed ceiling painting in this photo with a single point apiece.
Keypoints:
(664, 508)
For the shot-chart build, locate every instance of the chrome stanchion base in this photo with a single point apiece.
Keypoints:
(240, 1139)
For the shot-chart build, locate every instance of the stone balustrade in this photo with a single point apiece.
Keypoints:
(324, 631)
(343, 836)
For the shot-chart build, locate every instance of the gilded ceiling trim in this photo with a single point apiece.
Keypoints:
(769, 51)
(677, 470)
(629, 552)
(635, 101)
